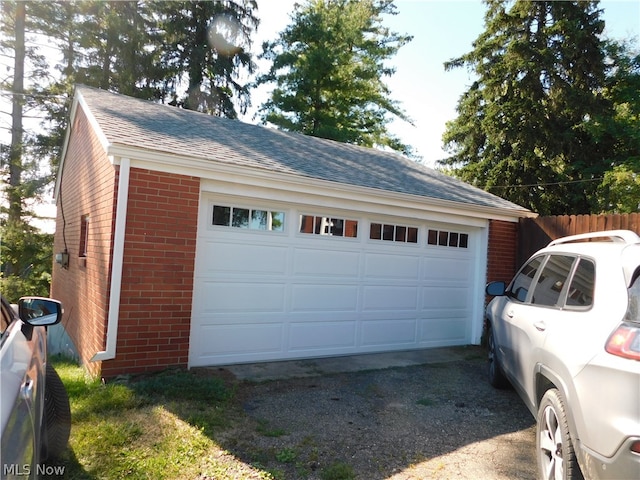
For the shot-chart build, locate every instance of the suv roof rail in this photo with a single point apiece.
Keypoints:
(619, 236)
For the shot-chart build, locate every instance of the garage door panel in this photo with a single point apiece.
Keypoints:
(240, 318)
(241, 297)
(389, 332)
(387, 266)
(452, 330)
(243, 258)
(239, 339)
(447, 269)
(326, 298)
(382, 297)
(322, 336)
(445, 298)
(315, 262)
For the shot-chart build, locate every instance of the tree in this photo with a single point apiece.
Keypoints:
(619, 191)
(524, 128)
(21, 245)
(328, 66)
(207, 47)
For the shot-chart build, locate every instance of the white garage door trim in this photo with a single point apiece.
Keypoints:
(262, 295)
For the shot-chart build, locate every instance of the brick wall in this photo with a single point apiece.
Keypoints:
(87, 187)
(503, 240)
(157, 277)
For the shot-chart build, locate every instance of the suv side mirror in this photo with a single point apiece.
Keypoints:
(496, 289)
(39, 311)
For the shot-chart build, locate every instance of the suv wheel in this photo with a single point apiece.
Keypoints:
(496, 377)
(57, 415)
(554, 448)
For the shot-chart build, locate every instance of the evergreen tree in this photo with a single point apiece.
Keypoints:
(619, 191)
(328, 66)
(21, 246)
(206, 46)
(525, 125)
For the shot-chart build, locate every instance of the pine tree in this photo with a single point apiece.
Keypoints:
(523, 127)
(328, 66)
(21, 246)
(207, 54)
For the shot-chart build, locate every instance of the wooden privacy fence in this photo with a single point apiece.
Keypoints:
(535, 233)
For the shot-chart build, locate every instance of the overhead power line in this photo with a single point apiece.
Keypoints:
(599, 179)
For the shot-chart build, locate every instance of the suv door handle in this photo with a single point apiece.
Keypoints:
(540, 325)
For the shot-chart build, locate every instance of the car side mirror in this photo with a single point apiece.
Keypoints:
(39, 311)
(496, 289)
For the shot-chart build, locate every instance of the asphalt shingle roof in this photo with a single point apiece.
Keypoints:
(141, 124)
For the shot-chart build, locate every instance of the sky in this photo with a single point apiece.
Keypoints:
(442, 30)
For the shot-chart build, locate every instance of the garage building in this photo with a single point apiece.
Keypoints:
(191, 240)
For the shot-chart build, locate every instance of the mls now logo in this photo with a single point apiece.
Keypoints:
(14, 469)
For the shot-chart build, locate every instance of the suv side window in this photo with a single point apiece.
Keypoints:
(522, 281)
(552, 280)
(580, 292)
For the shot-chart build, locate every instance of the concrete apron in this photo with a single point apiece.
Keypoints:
(258, 372)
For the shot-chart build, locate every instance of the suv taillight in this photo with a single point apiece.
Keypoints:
(625, 341)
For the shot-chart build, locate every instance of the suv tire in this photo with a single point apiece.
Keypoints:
(57, 415)
(494, 370)
(555, 453)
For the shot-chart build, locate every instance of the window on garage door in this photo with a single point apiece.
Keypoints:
(248, 218)
(328, 226)
(444, 238)
(393, 233)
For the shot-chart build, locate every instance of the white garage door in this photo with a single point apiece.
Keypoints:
(282, 282)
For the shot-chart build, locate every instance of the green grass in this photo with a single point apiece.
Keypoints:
(161, 426)
(265, 429)
(426, 402)
(338, 471)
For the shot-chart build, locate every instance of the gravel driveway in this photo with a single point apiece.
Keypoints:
(432, 421)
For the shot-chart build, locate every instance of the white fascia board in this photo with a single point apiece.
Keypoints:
(241, 180)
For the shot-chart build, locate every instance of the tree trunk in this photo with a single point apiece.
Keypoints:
(15, 153)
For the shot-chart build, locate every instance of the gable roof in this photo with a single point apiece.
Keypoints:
(144, 125)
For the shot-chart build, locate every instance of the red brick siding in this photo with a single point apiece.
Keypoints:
(503, 240)
(87, 187)
(157, 277)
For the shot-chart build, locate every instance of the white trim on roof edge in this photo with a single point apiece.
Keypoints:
(255, 177)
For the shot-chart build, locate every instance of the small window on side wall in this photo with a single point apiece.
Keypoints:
(84, 236)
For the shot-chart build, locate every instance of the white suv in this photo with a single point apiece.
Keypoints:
(566, 334)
